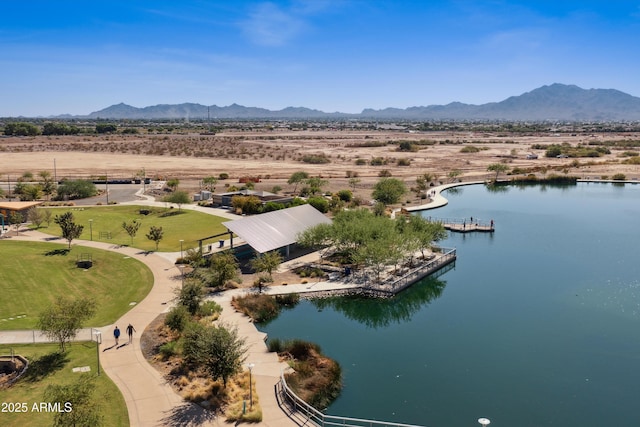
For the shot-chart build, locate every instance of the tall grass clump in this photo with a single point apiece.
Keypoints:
(316, 379)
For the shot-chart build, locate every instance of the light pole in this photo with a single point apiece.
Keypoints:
(250, 366)
(98, 335)
(91, 229)
(181, 242)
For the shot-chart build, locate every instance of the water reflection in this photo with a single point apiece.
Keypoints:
(378, 313)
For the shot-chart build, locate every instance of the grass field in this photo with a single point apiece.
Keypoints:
(33, 274)
(47, 367)
(177, 225)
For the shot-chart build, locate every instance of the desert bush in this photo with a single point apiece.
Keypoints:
(619, 177)
(316, 159)
(378, 161)
(320, 203)
(168, 349)
(345, 195)
(275, 345)
(469, 149)
(177, 318)
(288, 300)
(209, 308)
(259, 307)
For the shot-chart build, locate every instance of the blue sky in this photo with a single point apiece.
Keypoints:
(333, 55)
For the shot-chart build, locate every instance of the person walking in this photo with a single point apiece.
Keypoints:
(116, 334)
(130, 331)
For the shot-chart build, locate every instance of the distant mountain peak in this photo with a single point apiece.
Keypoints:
(557, 101)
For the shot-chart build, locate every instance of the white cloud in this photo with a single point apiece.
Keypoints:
(270, 25)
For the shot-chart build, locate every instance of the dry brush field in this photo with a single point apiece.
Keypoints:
(275, 154)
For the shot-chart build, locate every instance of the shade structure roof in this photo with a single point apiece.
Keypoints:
(276, 229)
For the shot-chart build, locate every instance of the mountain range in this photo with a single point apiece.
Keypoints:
(553, 102)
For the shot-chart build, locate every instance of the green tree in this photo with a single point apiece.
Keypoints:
(76, 189)
(58, 128)
(156, 234)
(353, 183)
(70, 230)
(80, 406)
(173, 183)
(315, 184)
(21, 129)
(209, 183)
(106, 128)
(424, 232)
(219, 349)
(35, 216)
(191, 294)
(422, 183)
(389, 190)
(46, 183)
(223, 266)
(48, 216)
(179, 198)
(296, 178)
(498, 168)
(61, 320)
(131, 228)
(267, 262)
(16, 219)
(226, 352)
(31, 192)
(454, 174)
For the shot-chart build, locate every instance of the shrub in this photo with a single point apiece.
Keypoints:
(345, 195)
(259, 307)
(404, 162)
(209, 308)
(316, 159)
(168, 349)
(407, 146)
(378, 161)
(223, 175)
(361, 162)
(469, 149)
(320, 203)
(384, 173)
(635, 160)
(288, 300)
(177, 318)
(275, 345)
(619, 177)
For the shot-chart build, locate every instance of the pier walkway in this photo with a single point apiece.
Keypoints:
(465, 225)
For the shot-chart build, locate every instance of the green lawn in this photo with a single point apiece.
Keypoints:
(33, 274)
(184, 224)
(45, 368)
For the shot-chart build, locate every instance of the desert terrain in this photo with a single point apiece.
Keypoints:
(274, 154)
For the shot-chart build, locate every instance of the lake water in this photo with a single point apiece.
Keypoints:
(537, 324)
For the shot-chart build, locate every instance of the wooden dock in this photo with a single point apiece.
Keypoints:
(465, 225)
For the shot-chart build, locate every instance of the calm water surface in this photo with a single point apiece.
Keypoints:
(537, 324)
